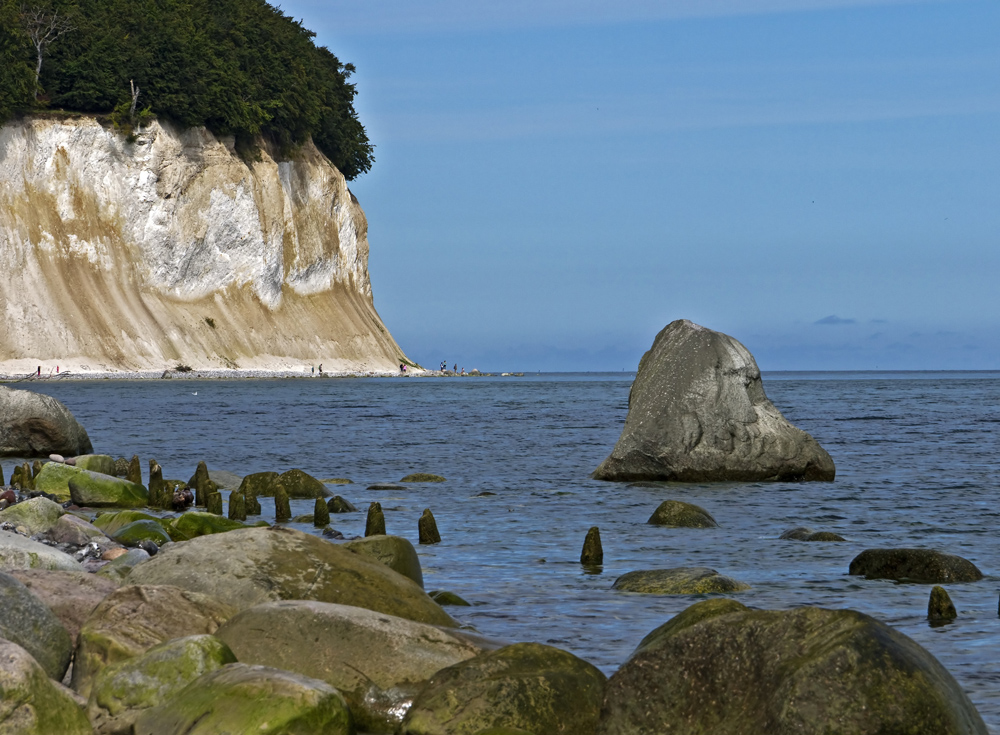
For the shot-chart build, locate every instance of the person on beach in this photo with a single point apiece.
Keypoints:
(321, 368)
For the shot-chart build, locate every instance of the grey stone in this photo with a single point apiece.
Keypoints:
(698, 413)
(33, 704)
(28, 622)
(36, 425)
(17, 552)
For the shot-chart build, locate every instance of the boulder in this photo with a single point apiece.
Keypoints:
(98, 463)
(142, 530)
(395, 552)
(197, 523)
(225, 480)
(676, 514)
(94, 490)
(678, 581)
(28, 622)
(54, 479)
(298, 484)
(422, 477)
(123, 690)
(250, 699)
(371, 658)
(18, 552)
(722, 668)
(38, 515)
(924, 566)
(337, 504)
(75, 531)
(113, 522)
(71, 596)
(123, 564)
(133, 619)
(259, 484)
(807, 534)
(527, 685)
(33, 704)
(698, 413)
(254, 565)
(444, 597)
(36, 425)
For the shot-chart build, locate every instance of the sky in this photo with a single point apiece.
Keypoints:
(557, 180)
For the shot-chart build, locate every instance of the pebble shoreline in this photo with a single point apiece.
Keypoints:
(225, 374)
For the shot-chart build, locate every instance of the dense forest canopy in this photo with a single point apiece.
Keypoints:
(239, 67)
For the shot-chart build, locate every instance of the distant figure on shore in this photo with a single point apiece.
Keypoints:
(39, 371)
(454, 368)
(321, 368)
(463, 371)
(313, 369)
(444, 365)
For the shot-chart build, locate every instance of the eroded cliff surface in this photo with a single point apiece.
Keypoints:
(172, 249)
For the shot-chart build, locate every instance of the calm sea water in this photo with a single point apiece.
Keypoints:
(918, 464)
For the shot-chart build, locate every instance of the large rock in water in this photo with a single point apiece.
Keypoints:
(923, 566)
(35, 425)
(254, 565)
(721, 668)
(698, 413)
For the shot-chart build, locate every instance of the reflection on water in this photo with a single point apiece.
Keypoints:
(918, 461)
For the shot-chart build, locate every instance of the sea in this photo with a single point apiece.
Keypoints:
(918, 465)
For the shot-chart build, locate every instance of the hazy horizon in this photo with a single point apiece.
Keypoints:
(555, 182)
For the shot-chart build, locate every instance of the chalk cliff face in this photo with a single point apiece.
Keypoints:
(172, 249)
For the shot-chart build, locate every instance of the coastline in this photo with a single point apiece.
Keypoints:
(238, 374)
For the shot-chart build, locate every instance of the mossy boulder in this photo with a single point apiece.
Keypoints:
(422, 477)
(142, 530)
(678, 581)
(299, 484)
(123, 690)
(377, 661)
(97, 463)
(28, 622)
(54, 479)
(71, 596)
(720, 667)
(113, 522)
(239, 698)
(196, 523)
(923, 566)
(527, 685)
(254, 565)
(676, 514)
(94, 490)
(31, 703)
(38, 515)
(18, 552)
(395, 552)
(259, 484)
(807, 534)
(133, 619)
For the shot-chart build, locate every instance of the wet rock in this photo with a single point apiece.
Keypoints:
(254, 565)
(201, 484)
(678, 581)
(28, 622)
(71, 596)
(940, 608)
(214, 503)
(443, 597)
(427, 529)
(337, 504)
(38, 515)
(237, 506)
(123, 564)
(387, 486)
(675, 514)
(94, 490)
(395, 552)
(97, 463)
(698, 413)
(422, 477)
(721, 668)
(321, 514)
(332, 533)
(298, 484)
(18, 552)
(195, 523)
(369, 657)
(337, 481)
(282, 508)
(259, 485)
(114, 521)
(241, 699)
(592, 554)
(527, 685)
(74, 531)
(142, 530)
(925, 566)
(133, 619)
(122, 691)
(375, 524)
(807, 534)
(225, 480)
(36, 425)
(32, 703)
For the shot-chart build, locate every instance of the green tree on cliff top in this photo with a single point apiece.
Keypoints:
(239, 67)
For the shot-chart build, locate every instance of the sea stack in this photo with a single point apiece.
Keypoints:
(698, 413)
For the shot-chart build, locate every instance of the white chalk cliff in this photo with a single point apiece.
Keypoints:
(172, 249)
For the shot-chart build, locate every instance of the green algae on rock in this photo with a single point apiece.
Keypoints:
(678, 581)
(32, 703)
(94, 490)
(722, 668)
(395, 552)
(142, 530)
(38, 515)
(526, 685)
(677, 514)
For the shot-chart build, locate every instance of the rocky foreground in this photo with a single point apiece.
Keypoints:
(125, 610)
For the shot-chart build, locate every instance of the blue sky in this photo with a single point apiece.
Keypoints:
(556, 181)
